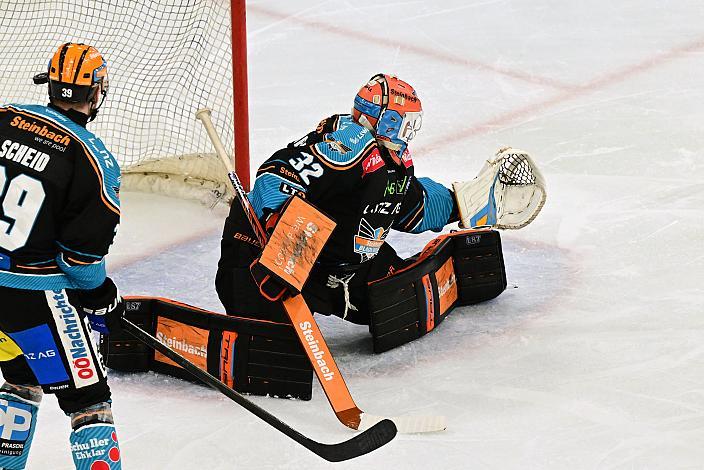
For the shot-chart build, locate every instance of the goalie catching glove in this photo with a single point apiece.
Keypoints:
(103, 306)
(508, 193)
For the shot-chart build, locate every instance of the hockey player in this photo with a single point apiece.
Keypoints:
(59, 209)
(358, 170)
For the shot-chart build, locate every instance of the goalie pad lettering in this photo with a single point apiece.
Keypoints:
(459, 268)
(508, 193)
(295, 244)
(251, 356)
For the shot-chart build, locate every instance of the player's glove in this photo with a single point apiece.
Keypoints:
(103, 306)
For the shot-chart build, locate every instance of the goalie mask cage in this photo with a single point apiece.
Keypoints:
(166, 59)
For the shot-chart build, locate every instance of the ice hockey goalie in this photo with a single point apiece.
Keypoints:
(358, 171)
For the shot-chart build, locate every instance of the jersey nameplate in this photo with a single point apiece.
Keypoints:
(24, 155)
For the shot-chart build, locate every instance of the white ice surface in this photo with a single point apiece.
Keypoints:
(592, 358)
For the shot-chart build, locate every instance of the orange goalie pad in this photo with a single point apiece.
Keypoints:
(297, 240)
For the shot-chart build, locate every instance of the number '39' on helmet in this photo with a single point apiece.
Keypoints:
(76, 72)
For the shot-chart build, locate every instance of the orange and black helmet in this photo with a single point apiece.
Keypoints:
(76, 73)
(391, 109)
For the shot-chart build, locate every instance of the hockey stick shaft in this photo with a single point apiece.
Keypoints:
(361, 444)
(204, 116)
(300, 315)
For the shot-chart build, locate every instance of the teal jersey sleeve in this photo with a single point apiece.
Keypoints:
(428, 206)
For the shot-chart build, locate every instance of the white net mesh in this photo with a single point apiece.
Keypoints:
(516, 170)
(166, 59)
(508, 193)
(520, 189)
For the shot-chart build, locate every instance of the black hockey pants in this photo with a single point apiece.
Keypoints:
(45, 341)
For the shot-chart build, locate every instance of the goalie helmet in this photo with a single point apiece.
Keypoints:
(76, 72)
(391, 109)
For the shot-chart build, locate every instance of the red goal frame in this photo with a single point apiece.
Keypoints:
(238, 13)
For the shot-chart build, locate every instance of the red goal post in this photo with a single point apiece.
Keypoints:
(166, 59)
(238, 14)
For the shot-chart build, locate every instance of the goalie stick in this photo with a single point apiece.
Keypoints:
(332, 382)
(363, 443)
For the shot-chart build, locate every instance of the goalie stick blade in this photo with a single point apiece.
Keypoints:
(406, 424)
(363, 443)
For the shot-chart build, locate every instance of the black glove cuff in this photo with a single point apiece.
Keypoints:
(100, 296)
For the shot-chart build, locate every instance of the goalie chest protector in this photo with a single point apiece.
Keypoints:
(460, 268)
(251, 356)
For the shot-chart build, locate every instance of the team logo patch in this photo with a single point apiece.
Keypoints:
(8, 348)
(188, 341)
(73, 339)
(472, 239)
(15, 426)
(41, 352)
(372, 163)
(397, 186)
(5, 263)
(133, 306)
(406, 159)
(369, 240)
(286, 188)
(447, 286)
(336, 145)
(95, 447)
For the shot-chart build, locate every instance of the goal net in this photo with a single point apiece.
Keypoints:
(166, 59)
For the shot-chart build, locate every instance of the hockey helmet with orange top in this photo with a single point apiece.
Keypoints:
(390, 108)
(76, 73)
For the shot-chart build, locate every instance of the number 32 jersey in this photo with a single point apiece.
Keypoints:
(340, 169)
(59, 204)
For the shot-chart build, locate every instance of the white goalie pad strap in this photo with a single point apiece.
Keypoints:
(508, 193)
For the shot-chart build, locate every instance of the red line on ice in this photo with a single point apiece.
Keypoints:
(605, 80)
(568, 91)
(380, 41)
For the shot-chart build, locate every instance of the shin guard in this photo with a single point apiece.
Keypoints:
(95, 447)
(18, 417)
(460, 268)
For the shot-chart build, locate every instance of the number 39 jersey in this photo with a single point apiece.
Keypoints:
(59, 204)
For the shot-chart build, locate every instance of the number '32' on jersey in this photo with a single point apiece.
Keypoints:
(341, 170)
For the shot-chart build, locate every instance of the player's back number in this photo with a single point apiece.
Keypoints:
(22, 198)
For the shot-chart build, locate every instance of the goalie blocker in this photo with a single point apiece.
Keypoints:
(460, 268)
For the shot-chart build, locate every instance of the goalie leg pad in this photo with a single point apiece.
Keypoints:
(251, 356)
(479, 265)
(460, 268)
